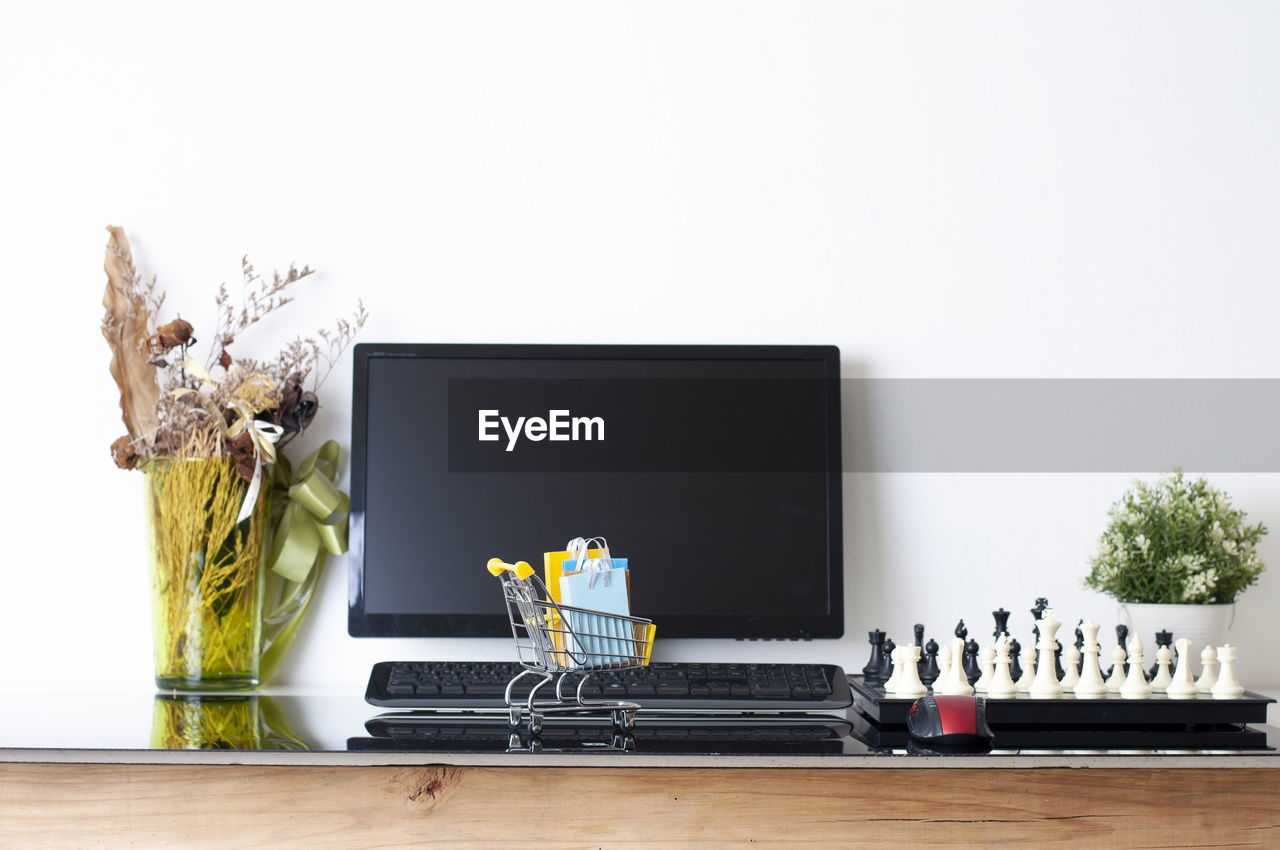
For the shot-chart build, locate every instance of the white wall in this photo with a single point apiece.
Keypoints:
(942, 190)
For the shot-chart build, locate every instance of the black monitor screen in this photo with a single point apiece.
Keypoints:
(715, 470)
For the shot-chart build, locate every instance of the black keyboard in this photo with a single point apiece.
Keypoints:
(680, 686)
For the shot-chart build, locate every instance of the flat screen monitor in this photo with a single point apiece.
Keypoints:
(715, 470)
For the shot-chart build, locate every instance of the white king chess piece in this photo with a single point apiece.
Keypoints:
(1227, 686)
(1209, 671)
(988, 660)
(1116, 679)
(909, 684)
(1135, 684)
(1091, 684)
(1183, 686)
(1002, 685)
(956, 682)
(1046, 684)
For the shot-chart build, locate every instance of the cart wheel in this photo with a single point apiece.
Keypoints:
(535, 724)
(624, 720)
(513, 717)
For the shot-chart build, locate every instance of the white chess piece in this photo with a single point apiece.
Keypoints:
(956, 683)
(1046, 684)
(1091, 684)
(1209, 671)
(1116, 680)
(1163, 677)
(1028, 660)
(1002, 685)
(1183, 686)
(1227, 686)
(909, 684)
(891, 683)
(1070, 667)
(988, 660)
(1135, 684)
(944, 664)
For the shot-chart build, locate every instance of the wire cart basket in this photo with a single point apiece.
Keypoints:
(554, 640)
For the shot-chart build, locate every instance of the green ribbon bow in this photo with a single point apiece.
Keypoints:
(312, 527)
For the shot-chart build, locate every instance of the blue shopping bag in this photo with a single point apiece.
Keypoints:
(600, 585)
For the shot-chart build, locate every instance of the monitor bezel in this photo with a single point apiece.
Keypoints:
(723, 626)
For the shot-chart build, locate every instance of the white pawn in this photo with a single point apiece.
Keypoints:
(1002, 685)
(1163, 677)
(988, 661)
(1070, 667)
(1046, 684)
(909, 684)
(1227, 686)
(1117, 670)
(1209, 673)
(1183, 686)
(1135, 684)
(1028, 669)
(1091, 684)
(944, 665)
(956, 683)
(891, 683)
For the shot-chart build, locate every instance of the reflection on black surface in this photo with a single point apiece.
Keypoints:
(221, 722)
(445, 733)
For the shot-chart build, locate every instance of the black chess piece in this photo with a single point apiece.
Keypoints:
(1002, 622)
(1163, 638)
(961, 631)
(886, 668)
(919, 636)
(1036, 613)
(1079, 650)
(931, 671)
(1015, 662)
(972, 669)
(871, 672)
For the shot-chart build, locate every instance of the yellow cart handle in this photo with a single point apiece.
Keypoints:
(520, 568)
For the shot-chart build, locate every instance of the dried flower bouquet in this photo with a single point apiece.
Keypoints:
(218, 489)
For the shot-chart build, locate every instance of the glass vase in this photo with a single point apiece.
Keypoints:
(207, 573)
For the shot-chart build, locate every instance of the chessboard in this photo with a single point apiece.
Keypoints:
(1110, 710)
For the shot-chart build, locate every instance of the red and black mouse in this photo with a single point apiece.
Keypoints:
(949, 721)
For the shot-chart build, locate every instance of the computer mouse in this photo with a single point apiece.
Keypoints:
(949, 721)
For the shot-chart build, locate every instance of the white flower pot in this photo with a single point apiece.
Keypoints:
(1201, 624)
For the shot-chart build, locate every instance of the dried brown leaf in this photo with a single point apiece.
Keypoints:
(125, 328)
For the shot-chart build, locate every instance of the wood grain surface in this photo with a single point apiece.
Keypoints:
(72, 805)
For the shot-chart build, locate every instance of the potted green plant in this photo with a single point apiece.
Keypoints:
(1176, 554)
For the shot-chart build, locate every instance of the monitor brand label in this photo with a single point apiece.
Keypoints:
(559, 426)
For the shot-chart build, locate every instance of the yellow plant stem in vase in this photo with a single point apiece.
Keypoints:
(207, 573)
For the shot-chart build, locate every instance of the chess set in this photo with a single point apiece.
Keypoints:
(1047, 696)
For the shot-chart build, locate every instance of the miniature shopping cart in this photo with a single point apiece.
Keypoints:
(554, 641)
